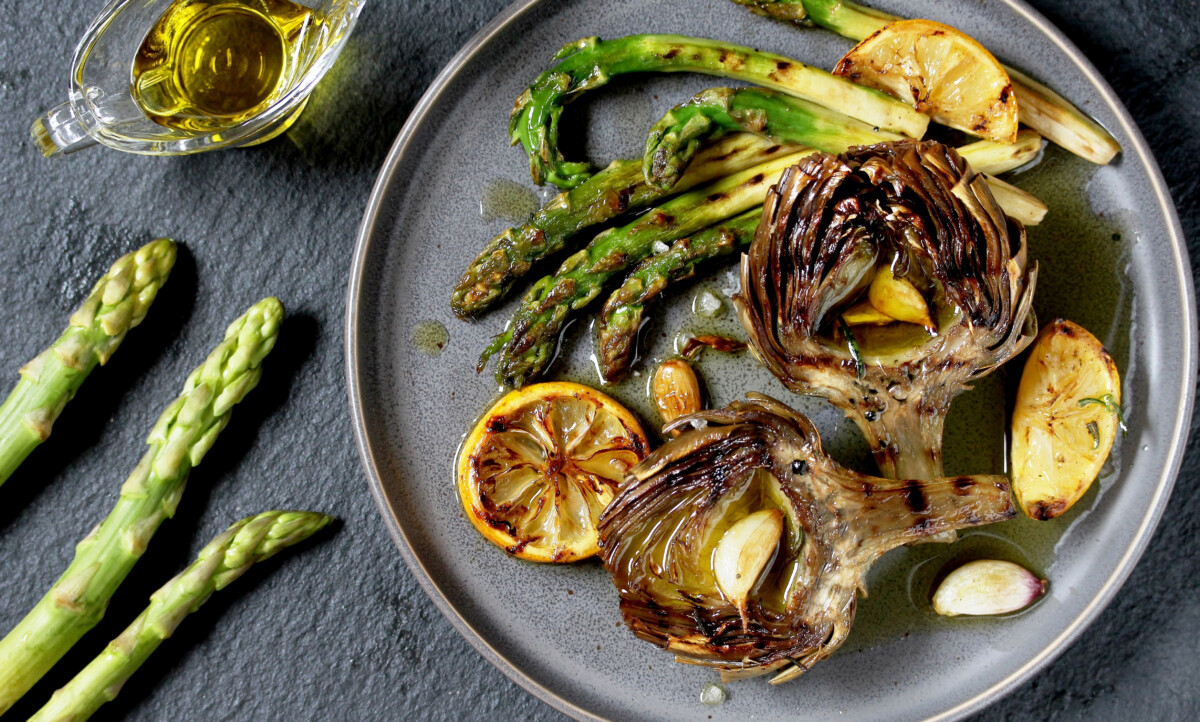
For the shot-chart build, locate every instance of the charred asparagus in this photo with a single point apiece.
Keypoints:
(611, 192)
(1041, 108)
(527, 346)
(589, 63)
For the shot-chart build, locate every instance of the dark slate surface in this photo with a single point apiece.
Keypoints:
(341, 630)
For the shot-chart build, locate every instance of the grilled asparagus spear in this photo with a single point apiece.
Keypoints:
(589, 63)
(617, 325)
(1041, 108)
(222, 561)
(118, 302)
(180, 438)
(713, 112)
(609, 193)
(677, 136)
(528, 344)
(618, 322)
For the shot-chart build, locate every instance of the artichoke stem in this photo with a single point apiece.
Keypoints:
(906, 441)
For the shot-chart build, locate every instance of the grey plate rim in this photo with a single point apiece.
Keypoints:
(1052, 649)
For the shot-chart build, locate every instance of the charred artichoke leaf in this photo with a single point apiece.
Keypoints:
(918, 210)
(659, 537)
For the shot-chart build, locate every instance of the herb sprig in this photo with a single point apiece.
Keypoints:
(1109, 405)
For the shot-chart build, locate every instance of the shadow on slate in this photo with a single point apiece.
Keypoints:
(83, 421)
(196, 628)
(175, 544)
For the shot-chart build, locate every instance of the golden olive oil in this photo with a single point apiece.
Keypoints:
(207, 65)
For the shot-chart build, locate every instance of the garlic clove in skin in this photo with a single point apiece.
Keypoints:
(743, 552)
(987, 587)
(675, 390)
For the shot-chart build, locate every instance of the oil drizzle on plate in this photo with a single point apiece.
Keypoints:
(508, 201)
(1082, 260)
(430, 337)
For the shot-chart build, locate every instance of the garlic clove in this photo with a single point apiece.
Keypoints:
(675, 390)
(864, 314)
(987, 587)
(898, 298)
(743, 552)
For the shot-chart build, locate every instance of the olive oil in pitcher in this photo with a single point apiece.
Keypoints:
(207, 65)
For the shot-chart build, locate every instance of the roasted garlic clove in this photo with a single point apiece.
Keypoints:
(987, 587)
(675, 390)
(743, 553)
(864, 314)
(898, 298)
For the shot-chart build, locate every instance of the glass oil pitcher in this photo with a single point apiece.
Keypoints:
(168, 77)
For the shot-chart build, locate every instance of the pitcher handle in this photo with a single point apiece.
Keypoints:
(60, 131)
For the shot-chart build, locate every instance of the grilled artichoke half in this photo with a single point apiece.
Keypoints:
(660, 537)
(917, 209)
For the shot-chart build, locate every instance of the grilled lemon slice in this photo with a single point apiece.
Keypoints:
(1066, 418)
(942, 72)
(540, 466)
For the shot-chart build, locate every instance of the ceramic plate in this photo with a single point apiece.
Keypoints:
(1112, 259)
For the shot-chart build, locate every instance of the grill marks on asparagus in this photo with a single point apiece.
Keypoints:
(670, 164)
(618, 322)
(528, 345)
(589, 63)
(1042, 109)
(676, 137)
(615, 190)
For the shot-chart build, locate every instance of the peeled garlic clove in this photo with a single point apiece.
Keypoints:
(675, 390)
(898, 298)
(864, 314)
(743, 552)
(987, 587)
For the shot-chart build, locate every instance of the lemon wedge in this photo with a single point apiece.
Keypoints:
(942, 72)
(1067, 415)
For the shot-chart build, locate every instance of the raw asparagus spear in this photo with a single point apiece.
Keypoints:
(617, 324)
(528, 343)
(609, 193)
(677, 136)
(223, 560)
(1040, 108)
(589, 63)
(118, 302)
(180, 438)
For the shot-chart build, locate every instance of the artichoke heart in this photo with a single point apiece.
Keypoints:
(910, 228)
(739, 545)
